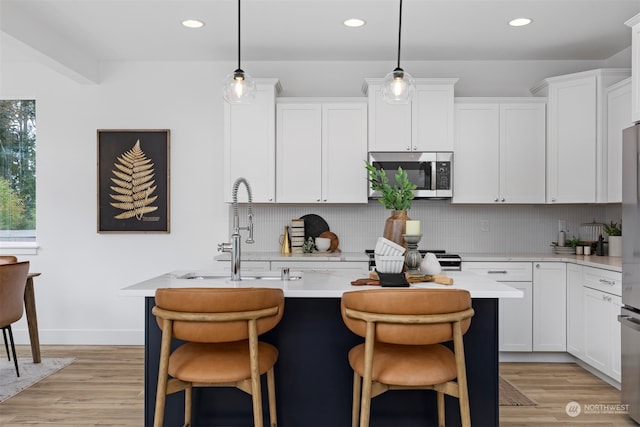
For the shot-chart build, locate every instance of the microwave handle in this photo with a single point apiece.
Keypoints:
(433, 175)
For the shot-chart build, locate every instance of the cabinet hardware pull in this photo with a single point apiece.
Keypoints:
(608, 282)
(503, 199)
(497, 271)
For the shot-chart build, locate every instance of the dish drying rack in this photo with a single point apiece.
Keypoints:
(591, 231)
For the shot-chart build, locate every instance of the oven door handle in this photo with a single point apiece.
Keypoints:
(629, 321)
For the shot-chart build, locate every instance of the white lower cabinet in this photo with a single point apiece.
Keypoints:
(516, 320)
(575, 311)
(537, 322)
(515, 324)
(550, 306)
(602, 304)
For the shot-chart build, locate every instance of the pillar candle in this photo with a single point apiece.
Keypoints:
(413, 228)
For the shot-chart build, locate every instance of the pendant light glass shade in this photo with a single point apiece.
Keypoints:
(398, 86)
(239, 87)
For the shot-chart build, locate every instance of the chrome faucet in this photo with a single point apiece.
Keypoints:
(234, 246)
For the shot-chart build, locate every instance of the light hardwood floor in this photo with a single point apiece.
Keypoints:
(104, 387)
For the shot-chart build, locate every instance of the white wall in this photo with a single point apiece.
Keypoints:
(82, 271)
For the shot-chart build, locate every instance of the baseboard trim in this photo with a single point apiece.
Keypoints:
(541, 357)
(82, 337)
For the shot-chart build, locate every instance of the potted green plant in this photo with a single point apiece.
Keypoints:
(614, 230)
(397, 197)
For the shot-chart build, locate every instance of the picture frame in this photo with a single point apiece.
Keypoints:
(133, 181)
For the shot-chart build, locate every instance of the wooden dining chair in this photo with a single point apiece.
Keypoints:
(221, 328)
(13, 279)
(404, 330)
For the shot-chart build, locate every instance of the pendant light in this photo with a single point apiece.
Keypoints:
(239, 87)
(397, 86)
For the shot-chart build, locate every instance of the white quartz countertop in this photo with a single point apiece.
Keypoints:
(313, 283)
(606, 262)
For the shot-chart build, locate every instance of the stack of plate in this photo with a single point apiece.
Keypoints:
(296, 235)
(564, 250)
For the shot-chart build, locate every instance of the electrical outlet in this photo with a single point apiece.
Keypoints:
(484, 225)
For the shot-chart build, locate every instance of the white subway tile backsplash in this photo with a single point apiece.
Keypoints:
(454, 228)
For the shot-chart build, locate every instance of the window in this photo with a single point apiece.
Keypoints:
(17, 170)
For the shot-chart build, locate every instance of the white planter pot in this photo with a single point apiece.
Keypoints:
(615, 245)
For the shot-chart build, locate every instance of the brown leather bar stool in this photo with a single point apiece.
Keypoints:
(403, 331)
(221, 328)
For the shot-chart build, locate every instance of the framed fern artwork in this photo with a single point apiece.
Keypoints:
(133, 181)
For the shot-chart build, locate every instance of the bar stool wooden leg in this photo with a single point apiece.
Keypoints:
(271, 394)
(440, 404)
(357, 390)
(188, 398)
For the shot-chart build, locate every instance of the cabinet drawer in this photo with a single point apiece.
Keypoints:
(501, 271)
(603, 280)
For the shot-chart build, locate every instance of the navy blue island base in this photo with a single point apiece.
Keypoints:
(314, 380)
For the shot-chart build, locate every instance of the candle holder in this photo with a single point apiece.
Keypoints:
(412, 258)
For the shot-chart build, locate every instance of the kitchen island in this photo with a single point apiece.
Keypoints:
(313, 376)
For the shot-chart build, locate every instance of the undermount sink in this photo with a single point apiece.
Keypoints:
(255, 276)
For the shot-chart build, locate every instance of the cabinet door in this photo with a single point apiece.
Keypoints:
(597, 309)
(634, 23)
(549, 306)
(250, 145)
(299, 153)
(389, 124)
(432, 118)
(616, 338)
(344, 151)
(515, 324)
(571, 155)
(476, 161)
(618, 119)
(575, 311)
(522, 153)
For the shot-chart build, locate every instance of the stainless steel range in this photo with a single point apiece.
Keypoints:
(449, 262)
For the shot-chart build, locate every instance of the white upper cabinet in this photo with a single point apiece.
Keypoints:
(321, 151)
(425, 124)
(576, 134)
(618, 119)
(499, 150)
(250, 143)
(634, 23)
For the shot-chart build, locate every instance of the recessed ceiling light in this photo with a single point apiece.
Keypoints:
(354, 22)
(192, 23)
(520, 22)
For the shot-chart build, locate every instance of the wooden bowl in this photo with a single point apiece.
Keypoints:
(335, 242)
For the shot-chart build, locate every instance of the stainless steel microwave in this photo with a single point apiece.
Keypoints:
(431, 172)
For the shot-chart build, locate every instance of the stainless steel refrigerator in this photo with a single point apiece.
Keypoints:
(630, 312)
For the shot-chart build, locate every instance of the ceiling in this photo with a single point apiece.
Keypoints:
(77, 31)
